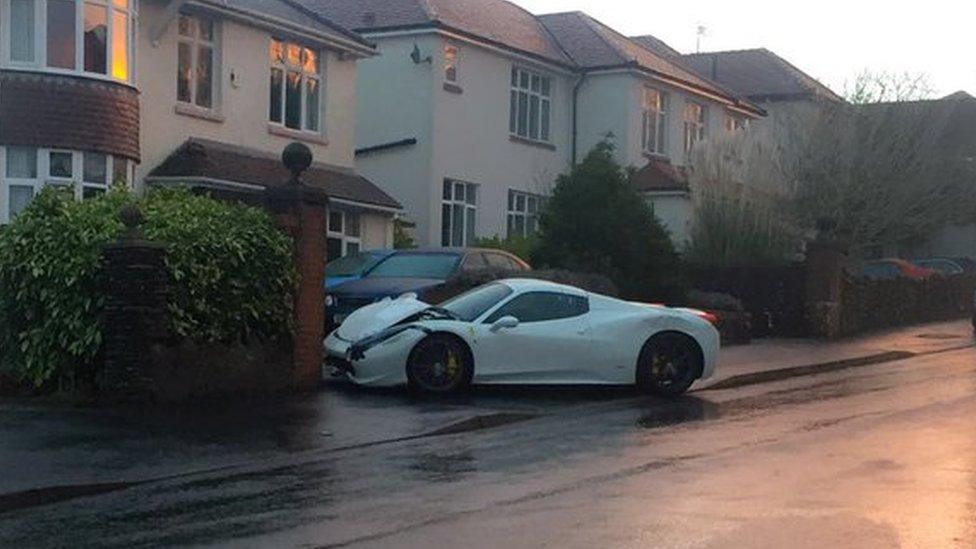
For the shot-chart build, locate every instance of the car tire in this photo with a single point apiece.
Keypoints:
(440, 364)
(668, 364)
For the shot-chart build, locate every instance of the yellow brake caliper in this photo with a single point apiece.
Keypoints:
(452, 365)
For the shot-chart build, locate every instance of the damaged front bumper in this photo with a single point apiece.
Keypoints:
(379, 360)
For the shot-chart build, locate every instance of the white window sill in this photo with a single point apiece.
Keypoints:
(656, 156)
(198, 112)
(531, 142)
(308, 137)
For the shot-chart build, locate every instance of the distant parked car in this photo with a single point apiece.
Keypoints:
(945, 267)
(353, 266)
(425, 272)
(891, 269)
(968, 264)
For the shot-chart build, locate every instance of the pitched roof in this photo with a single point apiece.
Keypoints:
(660, 175)
(593, 45)
(292, 12)
(758, 74)
(213, 160)
(657, 46)
(495, 21)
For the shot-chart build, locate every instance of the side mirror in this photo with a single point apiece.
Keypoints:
(505, 323)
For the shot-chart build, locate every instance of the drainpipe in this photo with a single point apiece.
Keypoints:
(576, 88)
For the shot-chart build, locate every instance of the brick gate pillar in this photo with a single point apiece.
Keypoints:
(300, 211)
(825, 265)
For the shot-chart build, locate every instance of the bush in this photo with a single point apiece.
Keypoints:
(522, 246)
(230, 270)
(597, 222)
(730, 233)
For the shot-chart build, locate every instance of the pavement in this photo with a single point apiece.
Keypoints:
(57, 459)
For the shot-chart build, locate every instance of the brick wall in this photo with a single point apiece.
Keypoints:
(55, 111)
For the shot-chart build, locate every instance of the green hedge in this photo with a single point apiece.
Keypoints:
(230, 269)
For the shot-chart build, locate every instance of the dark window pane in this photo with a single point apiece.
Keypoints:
(544, 133)
(335, 222)
(92, 192)
(446, 225)
(184, 72)
(512, 111)
(469, 234)
(293, 101)
(96, 39)
(447, 189)
(534, 117)
(205, 77)
(312, 104)
(523, 112)
(352, 248)
(276, 83)
(60, 165)
(542, 306)
(22, 162)
(457, 225)
(95, 168)
(61, 34)
(333, 249)
(120, 171)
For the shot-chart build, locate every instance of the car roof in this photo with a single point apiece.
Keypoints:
(534, 284)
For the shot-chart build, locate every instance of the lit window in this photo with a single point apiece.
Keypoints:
(343, 237)
(733, 123)
(654, 122)
(529, 105)
(459, 208)
(523, 213)
(92, 37)
(694, 122)
(450, 63)
(195, 80)
(296, 81)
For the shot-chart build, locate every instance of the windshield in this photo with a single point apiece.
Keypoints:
(416, 265)
(353, 264)
(473, 303)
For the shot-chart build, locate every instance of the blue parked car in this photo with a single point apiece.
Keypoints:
(353, 267)
(425, 272)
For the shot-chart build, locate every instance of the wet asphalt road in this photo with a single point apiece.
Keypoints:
(881, 456)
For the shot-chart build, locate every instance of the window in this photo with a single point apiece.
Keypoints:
(734, 123)
(93, 37)
(450, 64)
(474, 262)
(541, 306)
(458, 211)
(654, 122)
(296, 83)
(343, 237)
(27, 170)
(694, 118)
(529, 105)
(523, 213)
(500, 261)
(195, 81)
(474, 303)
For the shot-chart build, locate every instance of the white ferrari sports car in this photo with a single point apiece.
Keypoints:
(524, 332)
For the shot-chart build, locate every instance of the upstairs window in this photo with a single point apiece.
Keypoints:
(734, 123)
(197, 47)
(694, 122)
(451, 64)
(296, 82)
(529, 105)
(654, 123)
(91, 37)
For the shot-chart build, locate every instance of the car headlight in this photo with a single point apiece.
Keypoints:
(329, 300)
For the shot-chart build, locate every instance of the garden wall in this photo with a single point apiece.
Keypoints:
(875, 304)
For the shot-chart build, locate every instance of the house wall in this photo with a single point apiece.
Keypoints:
(674, 211)
(472, 141)
(242, 105)
(395, 102)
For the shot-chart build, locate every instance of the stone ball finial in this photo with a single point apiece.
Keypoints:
(131, 216)
(297, 158)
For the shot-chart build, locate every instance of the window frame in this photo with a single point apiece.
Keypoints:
(42, 174)
(514, 212)
(654, 121)
(544, 96)
(285, 67)
(195, 42)
(468, 207)
(694, 127)
(39, 63)
(342, 235)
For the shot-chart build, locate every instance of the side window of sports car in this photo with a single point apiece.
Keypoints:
(542, 306)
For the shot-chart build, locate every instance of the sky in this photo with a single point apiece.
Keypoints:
(832, 40)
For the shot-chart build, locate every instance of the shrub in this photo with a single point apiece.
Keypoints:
(230, 271)
(522, 246)
(597, 222)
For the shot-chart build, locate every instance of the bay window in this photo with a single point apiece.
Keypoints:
(296, 82)
(459, 208)
(530, 100)
(654, 123)
(93, 37)
(26, 170)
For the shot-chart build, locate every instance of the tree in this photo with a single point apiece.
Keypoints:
(888, 87)
(597, 222)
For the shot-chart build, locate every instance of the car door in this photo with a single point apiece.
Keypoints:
(551, 343)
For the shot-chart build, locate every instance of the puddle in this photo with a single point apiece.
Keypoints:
(478, 423)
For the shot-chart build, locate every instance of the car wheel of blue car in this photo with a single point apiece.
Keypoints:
(440, 364)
